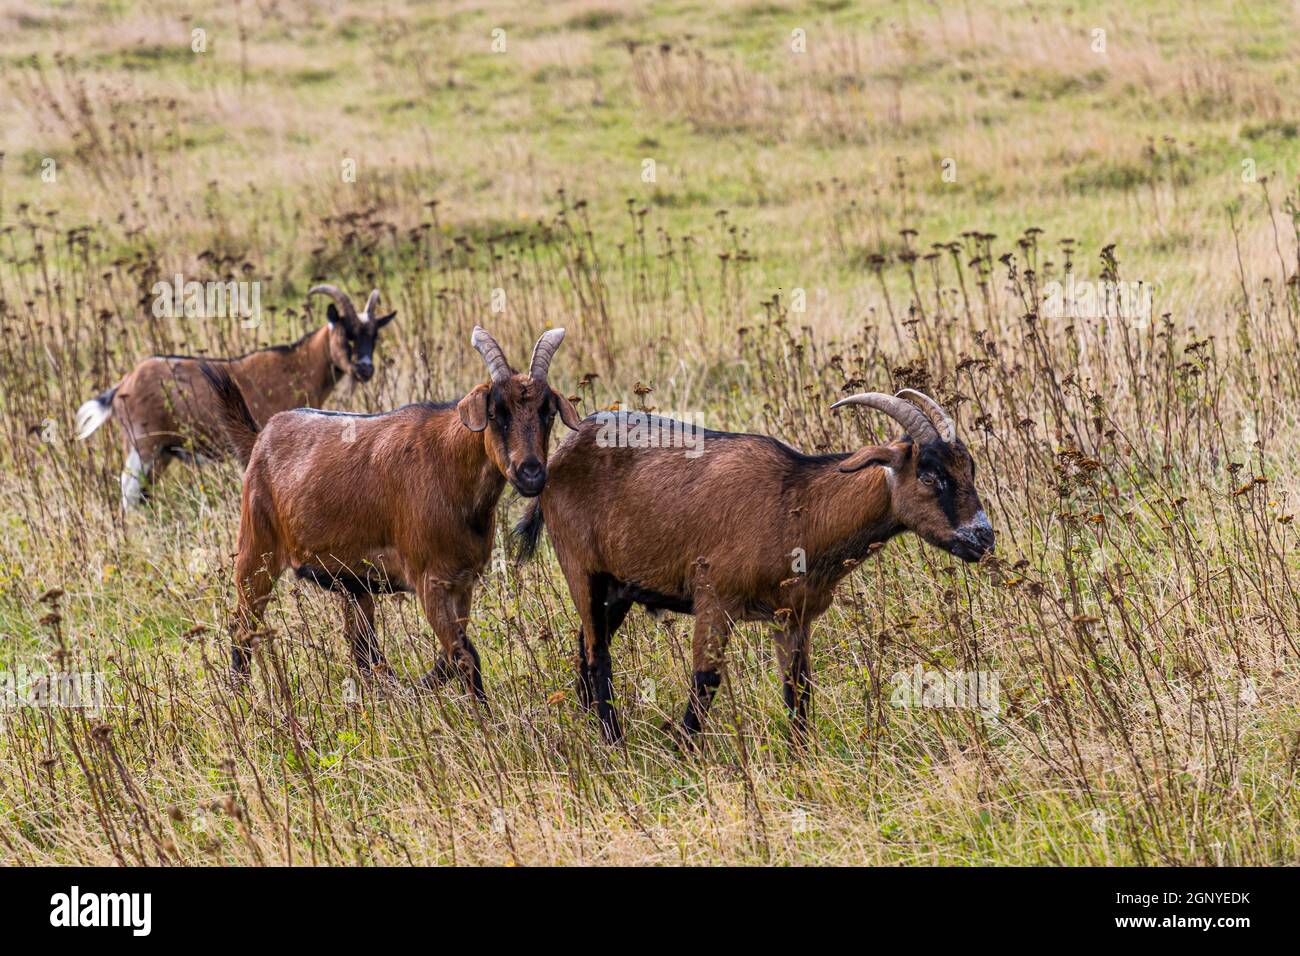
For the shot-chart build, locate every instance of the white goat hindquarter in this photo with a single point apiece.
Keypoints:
(133, 478)
(91, 415)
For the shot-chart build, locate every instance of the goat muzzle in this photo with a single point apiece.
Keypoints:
(530, 478)
(973, 540)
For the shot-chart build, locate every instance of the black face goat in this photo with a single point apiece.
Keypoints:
(165, 410)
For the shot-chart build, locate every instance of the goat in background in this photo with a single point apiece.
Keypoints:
(165, 412)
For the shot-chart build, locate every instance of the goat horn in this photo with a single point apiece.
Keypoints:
(543, 352)
(340, 298)
(372, 303)
(933, 411)
(492, 354)
(905, 413)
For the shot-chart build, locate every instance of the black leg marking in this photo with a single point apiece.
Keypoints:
(798, 694)
(475, 670)
(586, 693)
(239, 662)
(464, 664)
(705, 685)
(608, 609)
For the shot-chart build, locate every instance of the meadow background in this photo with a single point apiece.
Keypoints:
(845, 196)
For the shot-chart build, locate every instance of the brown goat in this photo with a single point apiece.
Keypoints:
(748, 529)
(165, 411)
(406, 500)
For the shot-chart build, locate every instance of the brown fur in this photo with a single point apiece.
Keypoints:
(400, 501)
(716, 536)
(162, 404)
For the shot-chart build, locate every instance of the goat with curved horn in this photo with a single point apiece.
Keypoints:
(722, 523)
(487, 346)
(933, 411)
(347, 515)
(913, 420)
(340, 298)
(164, 402)
(543, 352)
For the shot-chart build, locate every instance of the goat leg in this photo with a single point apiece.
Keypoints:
(446, 609)
(359, 627)
(254, 580)
(708, 648)
(796, 675)
(601, 610)
(441, 672)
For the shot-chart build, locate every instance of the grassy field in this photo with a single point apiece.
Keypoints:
(739, 211)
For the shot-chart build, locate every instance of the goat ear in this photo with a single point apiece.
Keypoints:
(568, 414)
(473, 409)
(891, 456)
(332, 315)
(384, 320)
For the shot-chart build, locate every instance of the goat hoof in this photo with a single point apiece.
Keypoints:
(611, 731)
(381, 672)
(383, 681)
(430, 681)
(681, 738)
(438, 675)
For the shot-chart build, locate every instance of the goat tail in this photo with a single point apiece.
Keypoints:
(95, 412)
(529, 530)
(236, 420)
